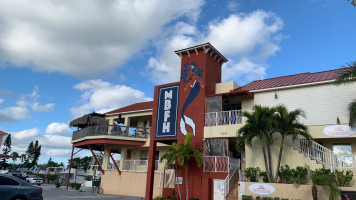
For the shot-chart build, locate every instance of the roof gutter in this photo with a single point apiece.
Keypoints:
(293, 86)
(134, 111)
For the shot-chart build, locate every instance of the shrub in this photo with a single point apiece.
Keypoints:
(285, 175)
(267, 198)
(192, 198)
(159, 198)
(58, 184)
(264, 176)
(75, 186)
(344, 180)
(246, 197)
(251, 173)
(300, 175)
(284, 199)
(258, 198)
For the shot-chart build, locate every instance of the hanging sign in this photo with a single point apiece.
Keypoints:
(167, 111)
(338, 131)
(262, 188)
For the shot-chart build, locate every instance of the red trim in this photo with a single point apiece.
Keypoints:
(109, 141)
(4, 156)
(97, 162)
(107, 149)
(70, 167)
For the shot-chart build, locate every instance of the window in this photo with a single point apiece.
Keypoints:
(8, 181)
(143, 157)
(128, 154)
(344, 153)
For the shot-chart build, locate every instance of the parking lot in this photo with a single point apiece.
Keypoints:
(52, 193)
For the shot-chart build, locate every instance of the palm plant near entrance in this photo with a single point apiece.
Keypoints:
(348, 75)
(286, 124)
(182, 154)
(259, 125)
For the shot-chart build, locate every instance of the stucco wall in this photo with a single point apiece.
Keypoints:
(290, 191)
(129, 183)
(254, 157)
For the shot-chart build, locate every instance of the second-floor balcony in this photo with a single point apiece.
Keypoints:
(111, 130)
(223, 118)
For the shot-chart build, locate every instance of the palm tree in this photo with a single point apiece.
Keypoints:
(14, 156)
(286, 124)
(185, 153)
(348, 75)
(259, 125)
(170, 157)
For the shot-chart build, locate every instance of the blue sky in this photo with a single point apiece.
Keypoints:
(60, 60)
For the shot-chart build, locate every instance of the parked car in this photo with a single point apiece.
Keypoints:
(13, 188)
(18, 175)
(33, 179)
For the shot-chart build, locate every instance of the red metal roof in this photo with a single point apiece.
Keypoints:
(4, 156)
(290, 80)
(134, 107)
(3, 132)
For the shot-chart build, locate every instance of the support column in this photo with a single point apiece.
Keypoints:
(123, 157)
(70, 167)
(106, 158)
(111, 124)
(150, 170)
(127, 125)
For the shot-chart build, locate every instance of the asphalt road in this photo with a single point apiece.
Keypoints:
(50, 192)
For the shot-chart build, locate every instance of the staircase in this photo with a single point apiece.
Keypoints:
(317, 152)
(234, 192)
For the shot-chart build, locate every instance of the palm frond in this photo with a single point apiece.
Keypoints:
(347, 75)
(352, 113)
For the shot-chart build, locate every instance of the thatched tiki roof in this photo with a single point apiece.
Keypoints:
(89, 120)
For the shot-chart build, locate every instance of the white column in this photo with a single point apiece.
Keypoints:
(106, 159)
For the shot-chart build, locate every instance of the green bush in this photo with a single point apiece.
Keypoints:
(58, 184)
(75, 186)
(264, 177)
(344, 180)
(159, 198)
(258, 198)
(300, 175)
(192, 198)
(267, 198)
(284, 199)
(251, 173)
(246, 197)
(286, 175)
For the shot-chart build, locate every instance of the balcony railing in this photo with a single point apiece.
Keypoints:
(137, 165)
(223, 118)
(221, 164)
(112, 130)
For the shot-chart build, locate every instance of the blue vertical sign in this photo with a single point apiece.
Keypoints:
(167, 111)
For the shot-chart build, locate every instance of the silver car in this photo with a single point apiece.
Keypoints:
(13, 188)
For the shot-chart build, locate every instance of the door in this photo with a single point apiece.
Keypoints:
(219, 186)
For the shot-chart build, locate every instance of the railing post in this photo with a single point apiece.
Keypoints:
(216, 118)
(215, 164)
(230, 117)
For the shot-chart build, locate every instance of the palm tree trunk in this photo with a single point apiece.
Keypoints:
(279, 158)
(265, 158)
(186, 182)
(314, 192)
(175, 171)
(270, 163)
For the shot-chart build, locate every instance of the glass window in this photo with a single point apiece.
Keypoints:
(213, 104)
(216, 147)
(344, 153)
(143, 157)
(8, 181)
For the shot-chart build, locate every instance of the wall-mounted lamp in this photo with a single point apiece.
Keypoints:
(275, 95)
(337, 121)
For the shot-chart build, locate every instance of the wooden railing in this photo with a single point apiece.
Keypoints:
(113, 130)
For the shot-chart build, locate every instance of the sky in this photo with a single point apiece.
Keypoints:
(60, 60)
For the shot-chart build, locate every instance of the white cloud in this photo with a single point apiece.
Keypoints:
(11, 114)
(29, 135)
(63, 153)
(2, 101)
(101, 96)
(245, 39)
(58, 129)
(55, 141)
(31, 100)
(83, 37)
